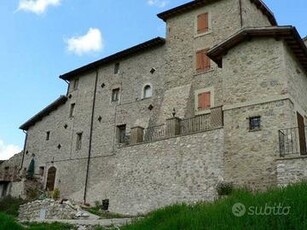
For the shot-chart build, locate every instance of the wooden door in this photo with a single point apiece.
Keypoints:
(301, 134)
(51, 178)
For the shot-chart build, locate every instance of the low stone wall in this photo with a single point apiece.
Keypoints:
(46, 209)
(291, 170)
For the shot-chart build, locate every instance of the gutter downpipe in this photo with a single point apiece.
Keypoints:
(241, 14)
(24, 150)
(90, 140)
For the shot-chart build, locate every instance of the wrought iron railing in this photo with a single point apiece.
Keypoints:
(292, 141)
(195, 124)
(176, 127)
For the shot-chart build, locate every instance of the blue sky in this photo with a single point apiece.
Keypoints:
(42, 39)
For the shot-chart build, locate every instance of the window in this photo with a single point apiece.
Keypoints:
(147, 92)
(76, 83)
(254, 123)
(202, 60)
(202, 23)
(41, 170)
(204, 100)
(47, 135)
(116, 68)
(121, 133)
(79, 141)
(115, 94)
(72, 110)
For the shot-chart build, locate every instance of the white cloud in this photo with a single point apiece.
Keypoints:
(158, 3)
(92, 41)
(7, 151)
(37, 6)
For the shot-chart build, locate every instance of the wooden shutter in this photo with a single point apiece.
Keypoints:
(301, 133)
(202, 23)
(206, 60)
(204, 100)
(202, 61)
(199, 60)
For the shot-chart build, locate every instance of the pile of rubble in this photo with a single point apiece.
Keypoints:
(50, 209)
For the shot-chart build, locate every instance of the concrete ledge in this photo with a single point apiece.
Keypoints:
(101, 222)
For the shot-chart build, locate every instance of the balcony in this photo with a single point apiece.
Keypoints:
(177, 127)
(292, 141)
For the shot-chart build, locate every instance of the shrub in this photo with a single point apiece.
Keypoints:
(224, 188)
(10, 205)
(56, 194)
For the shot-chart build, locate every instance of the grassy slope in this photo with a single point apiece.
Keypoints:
(218, 215)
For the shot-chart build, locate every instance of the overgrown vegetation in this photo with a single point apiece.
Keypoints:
(10, 205)
(96, 210)
(279, 208)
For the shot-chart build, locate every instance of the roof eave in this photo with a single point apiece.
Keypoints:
(288, 33)
(199, 3)
(156, 42)
(40, 115)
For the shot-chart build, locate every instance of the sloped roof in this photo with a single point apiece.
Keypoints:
(288, 33)
(158, 41)
(200, 3)
(47, 110)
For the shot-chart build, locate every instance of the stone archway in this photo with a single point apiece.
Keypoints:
(51, 178)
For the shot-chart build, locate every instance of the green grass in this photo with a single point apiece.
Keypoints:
(291, 200)
(105, 215)
(8, 223)
(218, 215)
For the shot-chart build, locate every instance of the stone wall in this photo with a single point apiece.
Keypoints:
(253, 16)
(254, 89)
(144, 177)
(291, 170)
(10, 168)
(296, 81)
(46, 209)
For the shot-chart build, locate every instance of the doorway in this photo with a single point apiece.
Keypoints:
(51, 178)
(301, 134)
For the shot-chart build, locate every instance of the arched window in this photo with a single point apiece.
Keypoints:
(147, 91)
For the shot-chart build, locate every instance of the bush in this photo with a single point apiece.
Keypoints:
(10, 205)
(224, 188)
(56, 194)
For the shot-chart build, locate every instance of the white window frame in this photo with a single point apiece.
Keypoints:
(143, 90)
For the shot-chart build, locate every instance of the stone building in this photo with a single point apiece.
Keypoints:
(222, 98)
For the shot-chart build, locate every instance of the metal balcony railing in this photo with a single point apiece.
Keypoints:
(292, 141)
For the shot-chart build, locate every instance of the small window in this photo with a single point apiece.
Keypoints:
(47, 135)
(115, 94)
(254, 123)
(147, 91)
(202, 23)
(76, 84)
(72, 110)
(79, 141)
(116, 68)
(202, 61)
(41, 170)
(121, 133)
(204, 100)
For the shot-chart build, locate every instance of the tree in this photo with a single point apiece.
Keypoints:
(30, 172)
